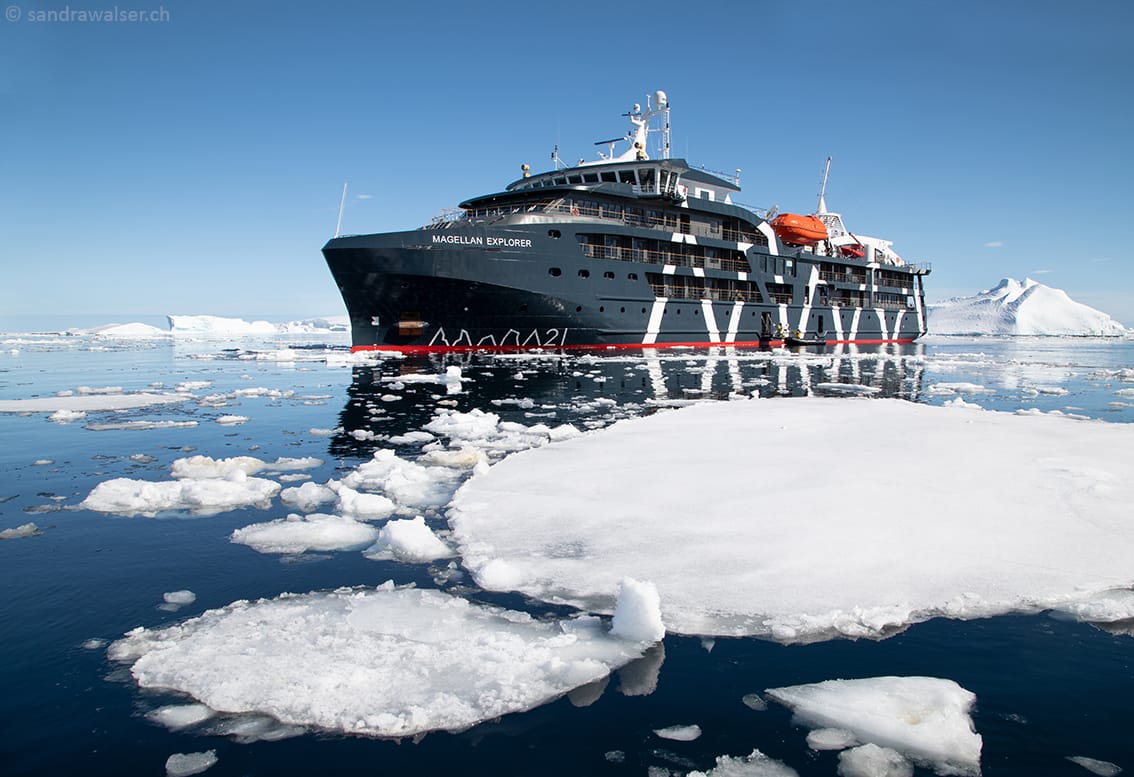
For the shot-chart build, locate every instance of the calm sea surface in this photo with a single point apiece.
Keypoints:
(1046, 688)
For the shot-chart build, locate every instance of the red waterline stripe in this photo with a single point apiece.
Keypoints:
(421, 349)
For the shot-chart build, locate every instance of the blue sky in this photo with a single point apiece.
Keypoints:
(193, 164)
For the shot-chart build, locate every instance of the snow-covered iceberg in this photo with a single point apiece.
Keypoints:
(1015, 308)
(221, 326)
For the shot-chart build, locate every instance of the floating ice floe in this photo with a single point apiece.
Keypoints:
(409, 540)
(926, 719)
(23, 530)
(178, 716)
(186, 764)
(1095, 766)
(679, 733)
(387, 662)
(806, 519)
(66, 416)
(308, 496)
(206, 467)
(125, 496)
(755, 764)
(410, 485)
(299, 534)
(179, 598)
(91, 402)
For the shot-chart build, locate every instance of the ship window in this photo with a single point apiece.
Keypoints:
(632, 276)
(609, 275)
(584, 273)
(554, 233)
(602, 309)
(626, 176)
(554, 272)
(591, 177)
(560, 181)
(609, 177)
(574, 179)
(647, 176)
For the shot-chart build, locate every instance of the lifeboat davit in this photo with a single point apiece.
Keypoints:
(800, 230)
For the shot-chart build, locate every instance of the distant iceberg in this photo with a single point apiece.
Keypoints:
(1015, 308)
(134, 330)
(217, 325)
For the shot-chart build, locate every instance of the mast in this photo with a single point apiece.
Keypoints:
(342, 204)
(823, 187)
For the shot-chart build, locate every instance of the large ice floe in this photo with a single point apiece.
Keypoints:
(387, 662)
(1020, 308)
(807, 519)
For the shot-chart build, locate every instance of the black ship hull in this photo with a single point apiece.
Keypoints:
(577, 284)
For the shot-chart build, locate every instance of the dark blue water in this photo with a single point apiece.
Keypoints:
(1046, 688)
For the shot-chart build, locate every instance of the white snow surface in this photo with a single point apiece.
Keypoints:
(807, 519)
(1020, 308)
(388, 662)
(924, 718)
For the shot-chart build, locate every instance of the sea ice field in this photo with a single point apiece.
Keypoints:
(259, 554)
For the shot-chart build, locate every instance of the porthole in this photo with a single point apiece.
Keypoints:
(555, 233)
(584, 273)
(623, 310)
(578, 308)
(554, 272)
(608, 275)
(602, 309)
(632, 276)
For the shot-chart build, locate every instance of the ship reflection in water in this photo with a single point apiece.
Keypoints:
(396, 396)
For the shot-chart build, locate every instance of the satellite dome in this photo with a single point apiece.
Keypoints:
(660, 99)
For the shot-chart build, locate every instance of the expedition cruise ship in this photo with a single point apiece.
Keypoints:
(624, 251)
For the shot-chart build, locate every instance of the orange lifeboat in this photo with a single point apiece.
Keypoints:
(801, 230)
